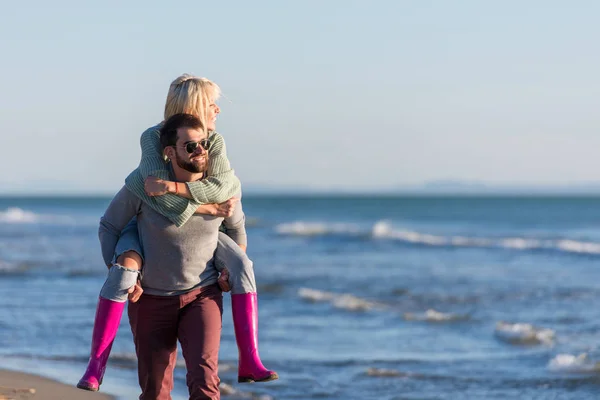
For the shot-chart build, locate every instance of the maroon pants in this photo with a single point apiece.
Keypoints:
(195, 319)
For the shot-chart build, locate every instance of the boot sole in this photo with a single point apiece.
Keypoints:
(245, 379)
(89, 388)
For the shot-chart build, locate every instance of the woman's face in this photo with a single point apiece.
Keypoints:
(211, 116)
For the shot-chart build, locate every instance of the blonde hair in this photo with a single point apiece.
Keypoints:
(189, 94)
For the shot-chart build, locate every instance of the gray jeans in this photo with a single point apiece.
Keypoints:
(228, 255)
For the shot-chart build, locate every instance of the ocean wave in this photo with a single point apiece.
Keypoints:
(83, 273)
(435, 316)
(522, 333)
(392, 373)
(122, 360)
(7, 269)
(252, 222)
(573, 364)
(4, 266)
(15, 215)
(384, 230)
(228, 366)
(228, 390)
(386, 373)
(343, 301)
(300, 228)
(26, 267)
(52, 357)
(271, 288)
(126, 360)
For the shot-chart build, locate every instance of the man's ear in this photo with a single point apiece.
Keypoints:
(170, 152)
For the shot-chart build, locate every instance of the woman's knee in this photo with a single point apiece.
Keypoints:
(130, 259)
(118, 282)
(241, 276)
(246, 264)
(240, 263)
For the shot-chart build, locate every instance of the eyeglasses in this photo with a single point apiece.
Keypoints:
(191, 147)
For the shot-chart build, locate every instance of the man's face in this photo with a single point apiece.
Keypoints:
(197, 160)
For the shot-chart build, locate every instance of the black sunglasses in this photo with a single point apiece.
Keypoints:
(191, 147)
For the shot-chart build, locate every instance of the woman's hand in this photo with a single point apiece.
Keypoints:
(135, 292)
(226, 208)
(156, 187)
(224, 280)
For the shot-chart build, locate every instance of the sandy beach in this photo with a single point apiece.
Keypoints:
(21, 386)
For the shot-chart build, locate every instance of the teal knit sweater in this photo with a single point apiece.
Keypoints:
(219, 185)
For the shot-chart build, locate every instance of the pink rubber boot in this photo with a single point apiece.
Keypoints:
(106, 324)
(245, 320)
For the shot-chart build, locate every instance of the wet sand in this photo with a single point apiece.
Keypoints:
(21, 386)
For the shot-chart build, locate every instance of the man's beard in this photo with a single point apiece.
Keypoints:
(190, 166)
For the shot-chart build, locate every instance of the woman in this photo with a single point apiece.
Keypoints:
(178, 202)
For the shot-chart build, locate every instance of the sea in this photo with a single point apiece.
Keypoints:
(360, 297)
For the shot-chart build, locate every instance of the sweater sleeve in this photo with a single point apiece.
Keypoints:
(235, 226)
(220, 183)
(153, 160)
(177, 209)
(121, 210)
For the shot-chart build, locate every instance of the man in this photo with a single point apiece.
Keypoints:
(181, 299)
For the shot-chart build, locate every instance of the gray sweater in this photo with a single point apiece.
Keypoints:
(176, 259)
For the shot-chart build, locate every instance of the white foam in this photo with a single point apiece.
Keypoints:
(16, 215)
(226, 367)
(522, 333)
(381, 229)
(226, 389)
(432, 315)
(520, 243)
(573, 364)
(433, 240)
(314, 295)
(384, 230)
(300, 228)
(352, 303)
(342, 301)
(574, 246)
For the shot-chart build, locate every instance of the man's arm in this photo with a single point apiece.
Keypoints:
(124, 206)
(235, 226)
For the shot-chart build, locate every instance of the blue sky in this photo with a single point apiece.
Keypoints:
(334, 95)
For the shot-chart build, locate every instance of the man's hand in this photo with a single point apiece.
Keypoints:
(155, 186)
(135, 292)
(226, 208)
(224, 280)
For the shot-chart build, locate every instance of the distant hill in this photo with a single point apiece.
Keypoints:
(434, 188)
(449, 187)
